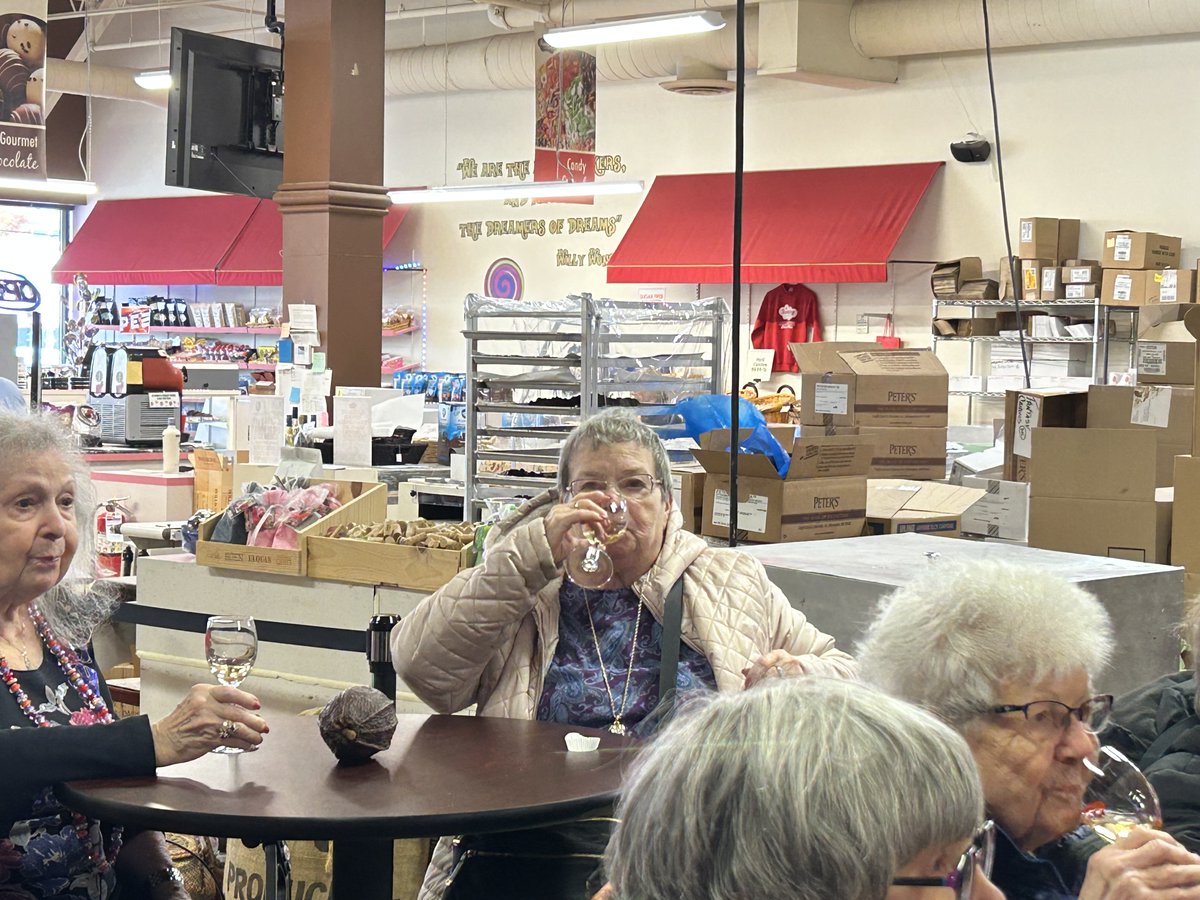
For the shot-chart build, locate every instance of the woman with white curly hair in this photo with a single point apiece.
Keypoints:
(1009, 656)
(805, 789)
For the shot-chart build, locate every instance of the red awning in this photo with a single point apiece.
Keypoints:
(155, 241)
(799, 225)
(224, 239)
(256, 258)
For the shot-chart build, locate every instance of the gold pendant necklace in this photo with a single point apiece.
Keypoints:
(617, 726)
(19, 643)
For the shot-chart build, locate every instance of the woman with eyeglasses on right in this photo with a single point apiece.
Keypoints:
(1008, 657)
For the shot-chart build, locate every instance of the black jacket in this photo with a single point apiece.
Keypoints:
(1138, 719)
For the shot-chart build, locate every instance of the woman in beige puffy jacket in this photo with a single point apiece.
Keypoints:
(520, 640)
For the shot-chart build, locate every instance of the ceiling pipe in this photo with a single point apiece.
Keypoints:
(894, 28)
(107, 82)
(144, 7)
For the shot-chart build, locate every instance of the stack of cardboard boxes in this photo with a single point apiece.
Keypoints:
(896, 398)
(1046, 244)
(1142, 269)
(1185, 530)
(1166, 354)
(1165, 412)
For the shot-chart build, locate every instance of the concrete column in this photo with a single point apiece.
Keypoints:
(331, 197)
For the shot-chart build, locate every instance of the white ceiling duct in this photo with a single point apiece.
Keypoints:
(506, 61)
(110, 82)
(892, 28)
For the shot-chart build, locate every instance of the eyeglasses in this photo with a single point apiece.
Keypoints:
(977, 857)
(631, 487)
(1049, 719)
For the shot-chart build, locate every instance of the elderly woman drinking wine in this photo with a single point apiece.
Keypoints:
(521, 637)
(56, 722)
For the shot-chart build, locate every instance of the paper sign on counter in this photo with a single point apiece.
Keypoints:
(1151, 406)
(761, 362)
(1028, 415)
(752, 512)
(266, 430)
(352, 431)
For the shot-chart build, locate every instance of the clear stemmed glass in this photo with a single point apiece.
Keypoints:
(589, 566)
(1119, 798)
(230, 646)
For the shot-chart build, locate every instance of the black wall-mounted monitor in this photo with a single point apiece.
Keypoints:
(224, 115)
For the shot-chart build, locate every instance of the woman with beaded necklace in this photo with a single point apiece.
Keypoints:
(49, 688)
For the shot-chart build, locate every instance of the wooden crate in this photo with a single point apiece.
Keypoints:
(362, 503)
(375, 562)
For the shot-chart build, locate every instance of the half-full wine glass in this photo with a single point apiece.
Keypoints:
(1119, 798)
(230, 646)
(589, 566)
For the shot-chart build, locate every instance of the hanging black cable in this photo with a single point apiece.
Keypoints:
(739, 118)
(1014, 271)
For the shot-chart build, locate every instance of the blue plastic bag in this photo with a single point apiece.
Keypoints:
(708, 412)
(762, 441)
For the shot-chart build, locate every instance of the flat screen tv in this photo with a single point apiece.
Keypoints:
(224, 115)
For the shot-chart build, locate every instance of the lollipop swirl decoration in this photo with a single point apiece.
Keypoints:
(504, 280)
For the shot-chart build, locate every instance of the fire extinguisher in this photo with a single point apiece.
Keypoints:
(110, 516)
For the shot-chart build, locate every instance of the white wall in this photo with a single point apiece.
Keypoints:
(1102, 132)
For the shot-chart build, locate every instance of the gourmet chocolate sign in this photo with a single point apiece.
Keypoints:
(22, 88)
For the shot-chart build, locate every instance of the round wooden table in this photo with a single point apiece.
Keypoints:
(442, 775)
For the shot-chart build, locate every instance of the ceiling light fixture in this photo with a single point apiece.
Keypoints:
(674, 25)
(543, 190)
(46, 188)
(154, 79)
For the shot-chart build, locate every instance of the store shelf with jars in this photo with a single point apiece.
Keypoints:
(535, 369)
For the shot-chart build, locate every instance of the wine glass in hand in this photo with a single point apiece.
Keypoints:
(230, 646)
(1119, 798)
(588, 565)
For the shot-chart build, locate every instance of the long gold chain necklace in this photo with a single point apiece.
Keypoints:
(19, 643)
(617, 727)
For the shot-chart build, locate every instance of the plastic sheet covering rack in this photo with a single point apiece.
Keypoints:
(535, 369)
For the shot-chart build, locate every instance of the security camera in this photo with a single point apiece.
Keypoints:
(972, 148)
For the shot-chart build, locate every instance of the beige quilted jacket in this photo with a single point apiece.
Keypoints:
(489, 635)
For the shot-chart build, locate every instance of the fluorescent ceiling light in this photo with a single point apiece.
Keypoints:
(634, 29)
(541, 190)
(44, 188)
(154, 79)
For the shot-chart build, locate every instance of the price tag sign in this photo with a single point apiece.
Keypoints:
(163, 400)
(761, 362)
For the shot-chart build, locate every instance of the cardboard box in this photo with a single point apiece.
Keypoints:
(977, 326)
(1031, 277)
(362, 503)
(826, 382)
(1092, 464)
(1185, 525)
(899, 388)
(1090, 274)
(1052, 283)
(1027, 409)
(1081, 291)
(376, 562)
(1149, 287)
(1140, 250)
(213, 484)
(1002, 512)
(822, 496)
(1055, 239)
(687, 492)
(1165, 412)
(1166, 354)
(1138, 530)
(896, 506)
(916, 453)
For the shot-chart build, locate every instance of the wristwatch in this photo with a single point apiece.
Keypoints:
(166, 875)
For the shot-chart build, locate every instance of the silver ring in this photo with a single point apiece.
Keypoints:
(227, 729)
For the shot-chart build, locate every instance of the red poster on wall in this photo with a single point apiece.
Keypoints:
(22, 88)
(565, 139)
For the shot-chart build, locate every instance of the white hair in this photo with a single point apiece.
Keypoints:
(951, 637)
(611, 427)
(78, 604)
(807, 788)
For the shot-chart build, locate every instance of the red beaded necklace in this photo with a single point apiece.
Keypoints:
(99, 713)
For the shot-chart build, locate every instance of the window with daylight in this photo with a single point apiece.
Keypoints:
(32, 239)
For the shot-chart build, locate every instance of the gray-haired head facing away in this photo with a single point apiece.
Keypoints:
(808, 788)
(78, 604)
(951, 637)
(608, 428)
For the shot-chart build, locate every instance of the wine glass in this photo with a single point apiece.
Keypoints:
(589, 566)
(230, 646)
(1119, 798)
